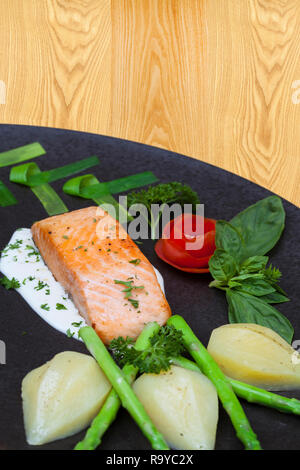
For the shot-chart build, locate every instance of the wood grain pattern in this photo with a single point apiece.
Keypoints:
(212, 79)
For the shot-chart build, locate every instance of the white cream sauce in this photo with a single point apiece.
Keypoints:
(21, 260)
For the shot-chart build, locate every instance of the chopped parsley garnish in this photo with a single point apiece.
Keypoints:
(129, 287)
(76, 324)
(12, 246)
(134, 303)
(45, 307)
(79, 247)
(10, 283)
(47, 292)
(16, 245)
(135, 261)
(69, 333)
(60, 307)
(41, 285)
(33, 252)
(66, 237)
(30, 278)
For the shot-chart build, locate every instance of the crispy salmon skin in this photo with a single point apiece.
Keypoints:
(95, 260)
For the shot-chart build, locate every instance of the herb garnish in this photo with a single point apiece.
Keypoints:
(41, 285)
(15, 246)
(45, 307)
(60, 307)
(12, 246)
(69, 333)
(134, 303)
(135, 261)
(30, 278)
(10, 283)
(164, 345)
(239, 266)
(129, 287)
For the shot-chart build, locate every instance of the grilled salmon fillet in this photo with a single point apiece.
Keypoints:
(111, 282)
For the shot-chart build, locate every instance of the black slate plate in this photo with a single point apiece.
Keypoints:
(223, 194)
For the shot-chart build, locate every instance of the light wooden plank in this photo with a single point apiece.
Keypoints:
(207, 78)
(56, 62)
(212, 79)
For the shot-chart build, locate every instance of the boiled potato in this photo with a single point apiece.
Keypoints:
(62, 396)
(256, 355)
(183, 405)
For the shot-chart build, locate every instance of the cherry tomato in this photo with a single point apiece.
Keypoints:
(188, 242)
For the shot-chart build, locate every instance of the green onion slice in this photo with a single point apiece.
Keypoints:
(78, 186)
(6, 196)
(30, 177)
(89, 187)
(21, 154)
(49, 198)
(45, 193)
(120, 185)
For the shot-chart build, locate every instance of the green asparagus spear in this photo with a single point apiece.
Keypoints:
(112, 404)
(225, 392)
(263, 397)
(127, 396)
(249, 392)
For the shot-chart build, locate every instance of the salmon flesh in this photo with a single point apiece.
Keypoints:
(111, 282)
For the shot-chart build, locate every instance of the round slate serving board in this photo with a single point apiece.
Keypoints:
(223, 194)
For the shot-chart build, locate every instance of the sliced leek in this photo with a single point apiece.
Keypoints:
(89, 187)
(21, 154)
(62, 172)
(50, 200)
(6, 196)
(77, 186)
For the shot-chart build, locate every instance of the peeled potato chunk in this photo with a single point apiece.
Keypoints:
(183, 405)
(256, 355)
(62, 396)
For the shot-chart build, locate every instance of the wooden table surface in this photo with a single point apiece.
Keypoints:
(218, 80)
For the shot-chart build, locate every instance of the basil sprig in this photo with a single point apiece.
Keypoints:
(239, 266)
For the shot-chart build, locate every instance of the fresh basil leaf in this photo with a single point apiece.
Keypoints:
(242, 277)
(222, 265)
(255, 286)
(275, 298)
(260, 225)
(232, 284)
(229, 239)
(254, 264)
(246, 308)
